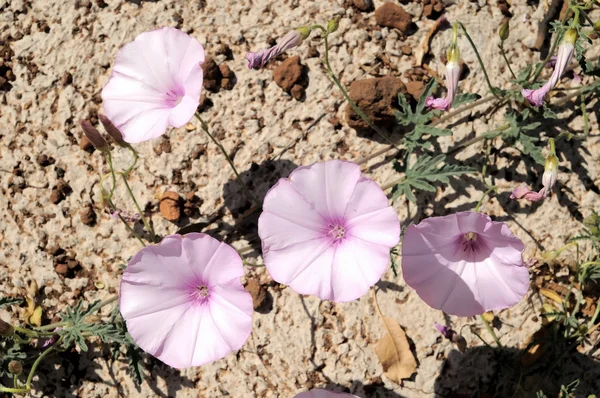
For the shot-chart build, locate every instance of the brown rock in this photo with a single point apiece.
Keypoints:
(66, 79)
(56, 196)
(415, 88)
(88, 215)
(257, 291)
(86, 144)
(170, 206)
(44, 160)
(376, 98)
(212, 75)
(432, 9)
(393, 16)
(288, 73)
(406, 49)
(229, 79)
(298, 92)
(364, 5)
(61, 269)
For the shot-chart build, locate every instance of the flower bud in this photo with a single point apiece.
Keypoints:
(94, 136)
(453, 55)
(597, 27)
(570, 36)
(15, 367)
(504, 30)
(112, 130)
(334, 24)
(304, 32)
(6, 329)
(550, 172)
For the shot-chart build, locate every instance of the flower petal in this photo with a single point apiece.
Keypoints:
(320, 393)
(328, 186)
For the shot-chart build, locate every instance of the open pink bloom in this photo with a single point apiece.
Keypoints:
(260, 59)
(565, 52)
(320, 393)
(452, 77)
(326, 230)
(156, 82)
(183, 301)
(464, 264)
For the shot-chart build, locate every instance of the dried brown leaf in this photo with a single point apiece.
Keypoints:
(536, 347)
(393, 350)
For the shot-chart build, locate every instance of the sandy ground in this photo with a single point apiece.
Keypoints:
(300, 342)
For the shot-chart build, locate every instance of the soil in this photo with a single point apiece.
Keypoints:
(57, 55)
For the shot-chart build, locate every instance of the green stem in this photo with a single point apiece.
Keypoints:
(506, 60)
(32, 333)
(486, 193)
(491, 331)
(485, 136)
(487, 78)
(52, 326)
(355, 107)
(139, 209)
(220, 146)
(112, 205)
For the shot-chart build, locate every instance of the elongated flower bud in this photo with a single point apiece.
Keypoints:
(334, 24)
(94, 136)
(260, 59)
(565, 52)
(504, 30)
(112, 130)
(452, 76)
(550, 173)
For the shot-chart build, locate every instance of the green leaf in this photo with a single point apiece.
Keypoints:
(464, 98)
(424, 173)
(6, 301)
(427, 129)
(531, 149)
(549, 113)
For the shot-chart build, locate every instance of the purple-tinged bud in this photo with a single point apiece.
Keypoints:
(94, 136)
(112, 130)
(565, 52)
(260, 59)
(452, 77)
(6, 329)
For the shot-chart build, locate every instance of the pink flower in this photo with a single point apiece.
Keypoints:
(523, 192)
(327, 231)
(320, 393)
(155, 83)
(183, 301)
(260, 59)
(452, 77)
(565, 52)
(464, 264)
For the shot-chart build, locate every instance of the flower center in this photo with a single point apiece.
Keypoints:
(202, 292)
(469, 241)
(173, 98)
(336, 232)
